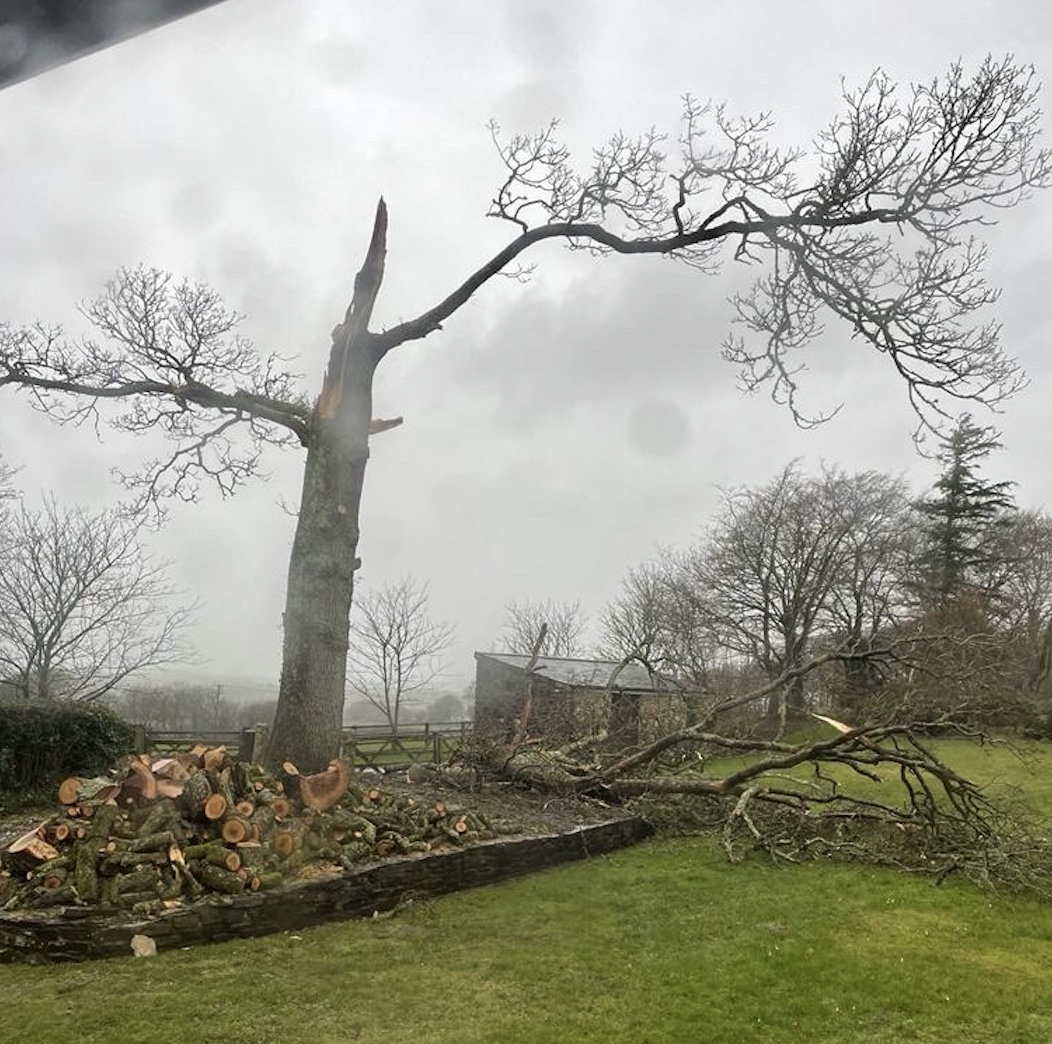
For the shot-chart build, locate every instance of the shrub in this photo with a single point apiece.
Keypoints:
(42, 742)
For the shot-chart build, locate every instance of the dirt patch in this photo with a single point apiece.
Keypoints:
(513, 807)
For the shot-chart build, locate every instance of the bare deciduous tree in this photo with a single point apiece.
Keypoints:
(396, 648)
(562, 636)
(876, 229)
(784, 565)
(652, 623)
(7, 483)
(82, 606)
(764, 575)
(1024, 605)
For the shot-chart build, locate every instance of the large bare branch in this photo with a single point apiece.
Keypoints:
(170, 360)
(932, 161)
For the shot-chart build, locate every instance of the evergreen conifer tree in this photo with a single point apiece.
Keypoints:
(965, 516)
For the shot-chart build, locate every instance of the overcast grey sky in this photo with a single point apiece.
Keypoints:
(556, 433)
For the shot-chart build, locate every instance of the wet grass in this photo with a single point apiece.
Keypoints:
(662, 942)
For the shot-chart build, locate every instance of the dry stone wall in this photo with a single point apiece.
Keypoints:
(82, 932)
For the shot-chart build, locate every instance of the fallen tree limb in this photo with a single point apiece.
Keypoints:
(876, 791)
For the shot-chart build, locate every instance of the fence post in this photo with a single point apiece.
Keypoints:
(139, 739)
(246, 747)
(260, 734)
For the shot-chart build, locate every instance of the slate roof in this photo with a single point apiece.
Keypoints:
(634, 677)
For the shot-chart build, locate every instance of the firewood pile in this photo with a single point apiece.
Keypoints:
(164, 830)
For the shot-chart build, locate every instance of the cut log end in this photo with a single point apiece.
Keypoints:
(69, 790)
(215, 807)
(324, 789)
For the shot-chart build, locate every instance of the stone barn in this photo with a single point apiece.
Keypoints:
(572, 699)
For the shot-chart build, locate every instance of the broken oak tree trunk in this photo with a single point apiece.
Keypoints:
(323, 560)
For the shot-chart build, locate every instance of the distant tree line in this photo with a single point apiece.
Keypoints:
(186, 706)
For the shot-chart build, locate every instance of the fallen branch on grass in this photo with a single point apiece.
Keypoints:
(877, 791)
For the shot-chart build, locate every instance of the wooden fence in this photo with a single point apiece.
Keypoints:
(378, 747)
(375, 747)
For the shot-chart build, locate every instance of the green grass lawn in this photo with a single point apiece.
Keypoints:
(664, 942)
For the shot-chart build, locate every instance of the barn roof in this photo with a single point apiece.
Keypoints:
(634, 677)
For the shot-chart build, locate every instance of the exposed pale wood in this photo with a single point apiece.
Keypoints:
(234, 829)
(27, 852)
(139, 785)
(69, 790)
(213, 759)
(284, 843)
(170, 788)
(215, 807)
(324, 789)
(355, 325)
(54, 878)
(170, 769)
(74, 790)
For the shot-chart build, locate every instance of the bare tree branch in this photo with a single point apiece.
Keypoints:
(931, 161)
(563, 623)
(172, 361)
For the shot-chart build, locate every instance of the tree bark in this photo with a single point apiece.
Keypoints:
(323, 560)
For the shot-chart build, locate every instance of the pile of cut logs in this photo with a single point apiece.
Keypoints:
(162, 830)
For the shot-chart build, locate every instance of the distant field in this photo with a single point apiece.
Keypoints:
(664, 942)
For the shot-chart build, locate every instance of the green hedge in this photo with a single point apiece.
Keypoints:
(43, 742)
